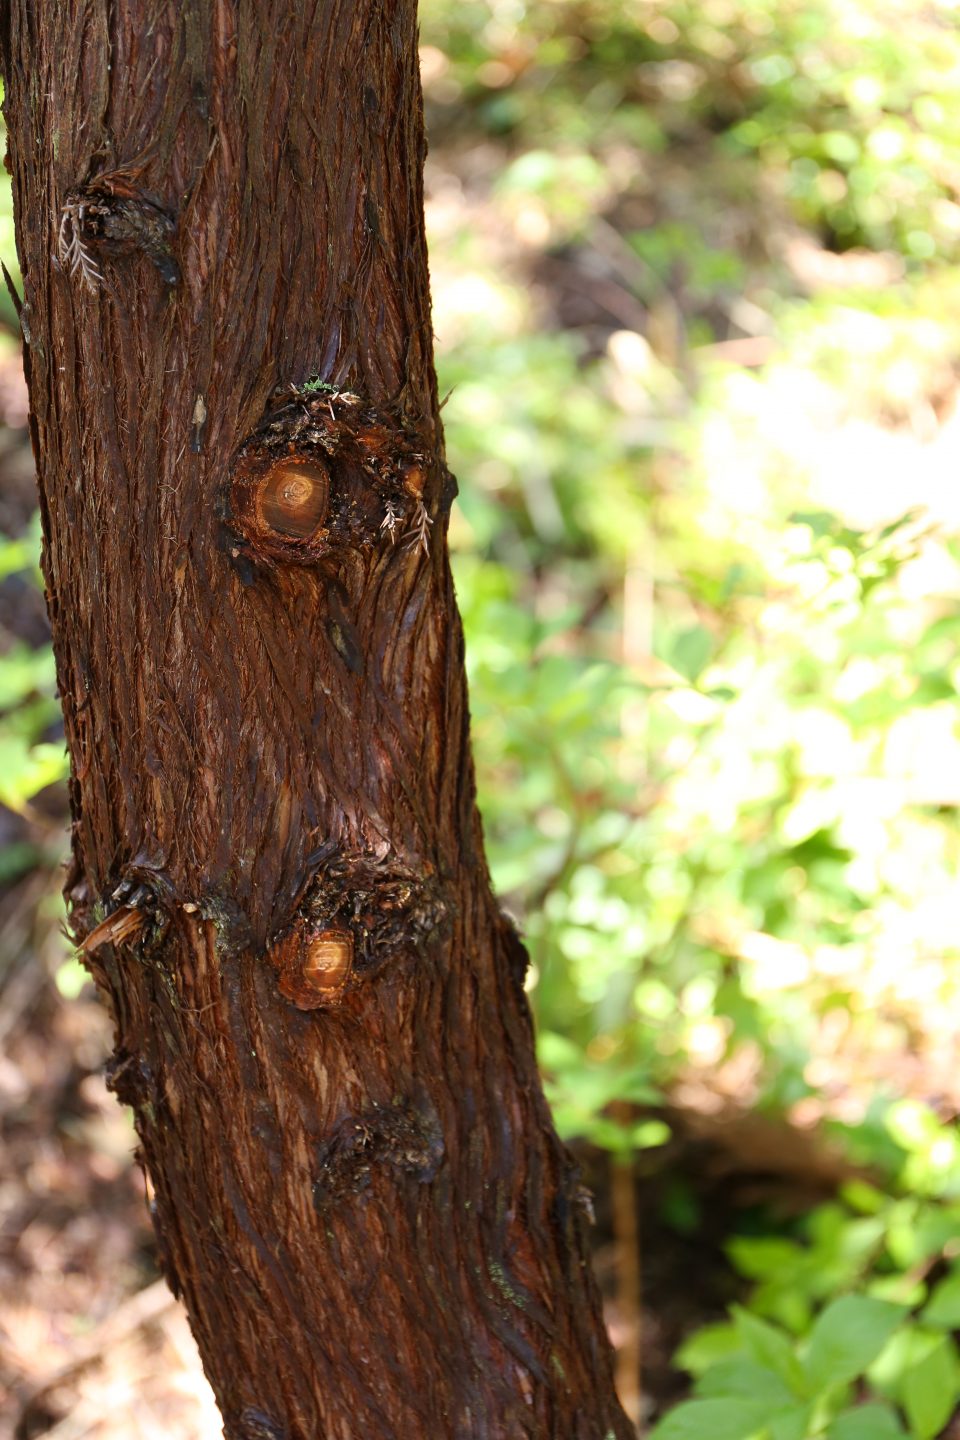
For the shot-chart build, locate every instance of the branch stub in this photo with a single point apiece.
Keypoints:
(313, 966)
(291, 499)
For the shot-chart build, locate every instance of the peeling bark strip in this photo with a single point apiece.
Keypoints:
(278, 872)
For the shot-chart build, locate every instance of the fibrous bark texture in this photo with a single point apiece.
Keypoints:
(278, 874)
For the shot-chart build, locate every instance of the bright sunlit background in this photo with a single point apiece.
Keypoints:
(698, 313)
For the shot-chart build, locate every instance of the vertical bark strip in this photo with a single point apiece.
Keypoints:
(278, 869)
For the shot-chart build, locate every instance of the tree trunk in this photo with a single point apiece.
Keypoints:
(278, 876)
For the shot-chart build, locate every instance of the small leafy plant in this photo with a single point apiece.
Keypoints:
(850, 1330)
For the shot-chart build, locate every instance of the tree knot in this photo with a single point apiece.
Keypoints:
(406, 1137)
(357, 914)
(327, 470)
(313, 965)
(113, 216)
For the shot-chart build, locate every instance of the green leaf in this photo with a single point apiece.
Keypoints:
(770, 1347)
(821, 522)
(763, 1258)
(863, 1197)
(917, 1232)
(648, 1134)
(846, 1337)
(901, 1289)
(718, 1419)
(867, 1422)
(943, 1307)
(708, 1346)
(70, 978)
(26, 769)
(691, 651)
(745, 1379)
(16, 555)
(885, 1374)
(931, 1390)
(793, 1424)
(24, 672)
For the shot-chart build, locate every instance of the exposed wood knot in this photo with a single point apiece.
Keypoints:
(329, 960)
(407, 1138)
(357, 913)
(291, 499)
(313, 965)
(279, 505)
(327, 470)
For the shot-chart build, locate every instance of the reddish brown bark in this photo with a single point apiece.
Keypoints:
(278, 867)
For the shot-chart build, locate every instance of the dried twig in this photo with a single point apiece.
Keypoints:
(71, 249)
(418, 536)
(390, 521)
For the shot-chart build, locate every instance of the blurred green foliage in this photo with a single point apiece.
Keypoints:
(709, 578)
(683, 725)
(28, 709)
(846, 108)
(698, 319)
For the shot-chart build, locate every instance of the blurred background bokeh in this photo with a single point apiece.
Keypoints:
(697, 310)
